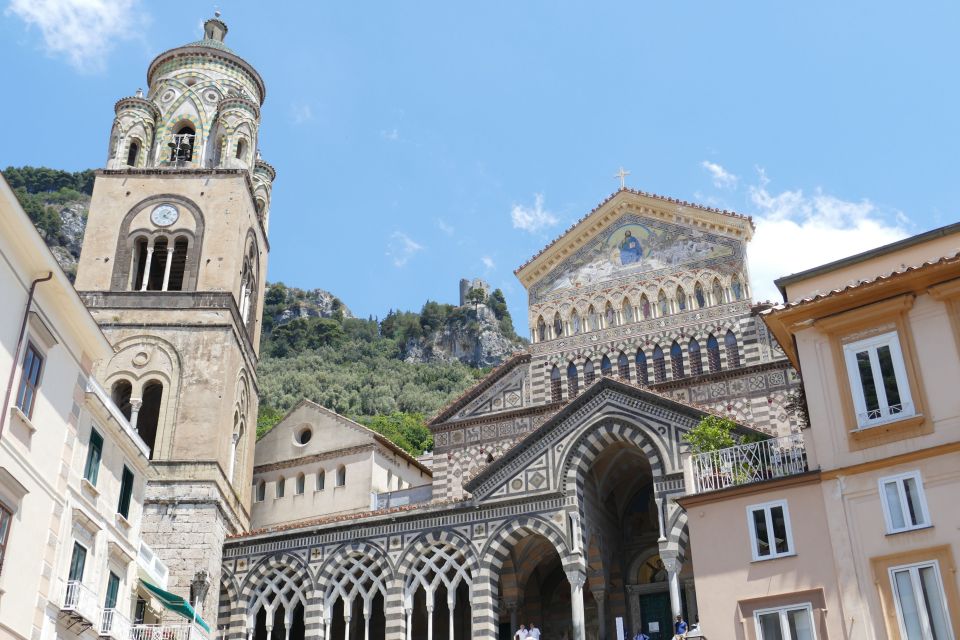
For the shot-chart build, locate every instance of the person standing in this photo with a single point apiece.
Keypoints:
(534, 632)
(521, 633)
(641, 635)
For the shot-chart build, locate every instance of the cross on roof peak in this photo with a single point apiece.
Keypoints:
(622, 174)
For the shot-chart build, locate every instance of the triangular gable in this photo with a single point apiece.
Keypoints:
(532, 466)
(506, 388)
(679, 214)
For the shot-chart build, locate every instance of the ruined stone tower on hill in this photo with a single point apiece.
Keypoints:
(172, 267)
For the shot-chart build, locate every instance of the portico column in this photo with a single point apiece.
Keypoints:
(577, 579)
(512, 608)
(451, 604)
(672, 565)
(636, 619)
(347, 606)
(366, 625)
(430, 621)
(409, 629)
(146, 268)
(600, 597)
(691, 590)
(166, 268)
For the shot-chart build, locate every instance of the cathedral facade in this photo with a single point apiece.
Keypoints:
(550, 494)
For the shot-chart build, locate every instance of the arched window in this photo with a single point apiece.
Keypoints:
(178, 264)
(261, 491)
(589, 376)
(557, 325)
(737, 288)
(140, 263)
(573, 385)
(181, 148)
(158, 265)
(626, 311)
(698, 295)
(643, 376)
(733, 350)
(261, 207)
(148, 418)
(606, 369)
(241, 149)
(341, 476)
(218, 152)
(120, 394)
(301, 484)
(717, 292)
(623, 367)
(696, 361)
(541, 329)
(609, 316)
(713, 354)
(662, 305)
(389, 479)
(133, 153)
(556, 392)
(575, 322)
(681, 299)
(281, 486)
(321, 479)
(593, 318)
(676, 361)
(645, 307)
(659, 366)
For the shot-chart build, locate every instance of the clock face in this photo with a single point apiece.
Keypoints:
(164, 215)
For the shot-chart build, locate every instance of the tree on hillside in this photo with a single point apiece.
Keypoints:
(476, 296)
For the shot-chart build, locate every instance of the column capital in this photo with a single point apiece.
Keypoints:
(576, 578)
(599, 595)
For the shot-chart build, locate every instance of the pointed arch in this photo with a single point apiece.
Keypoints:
(699, 296)
(606, 369)
(645, 309)
(681, 299)
(732, 349)
(736, 288)
(573, 385)
(626, 311)
(676, 361)
(593, 319)
(696, 360)
(718, 297)
(713, 354)
(557, 325)
(663, 306)
(358, 572)
(278, 583)
(659, 365)
(556, 389)
(541, 329)
(589, 375)
(609, 315)
(575, 323)
(623, 367)
(643, 375)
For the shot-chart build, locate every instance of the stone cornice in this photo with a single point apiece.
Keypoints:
(317, 457)
(496, 417)
(725, 374)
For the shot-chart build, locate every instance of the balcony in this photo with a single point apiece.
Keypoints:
(401, 497)
(80, 604)
(749, 463)
(151, 567)
(166, 632)
(114, 624)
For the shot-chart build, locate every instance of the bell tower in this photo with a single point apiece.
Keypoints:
(172, 267)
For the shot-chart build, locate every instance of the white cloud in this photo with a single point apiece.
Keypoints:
(796, 231)
(301, 112)
(443, 226)
(488, 262)
(401, 248)
(534, 218)
(81, 30)
(722, 179)
(392, 135)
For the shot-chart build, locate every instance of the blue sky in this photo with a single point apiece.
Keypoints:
(418, 143)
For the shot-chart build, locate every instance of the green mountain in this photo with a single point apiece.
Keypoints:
(388, 374)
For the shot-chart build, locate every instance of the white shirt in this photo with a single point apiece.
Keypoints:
(521, 634)
(534, 633)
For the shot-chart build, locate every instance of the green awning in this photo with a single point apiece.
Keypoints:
(176, 604)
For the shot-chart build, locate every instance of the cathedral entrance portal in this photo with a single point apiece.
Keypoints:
(534, 589)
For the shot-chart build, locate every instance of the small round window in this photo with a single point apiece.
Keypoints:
(303, 435)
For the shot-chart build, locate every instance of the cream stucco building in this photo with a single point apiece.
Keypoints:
(850, 530)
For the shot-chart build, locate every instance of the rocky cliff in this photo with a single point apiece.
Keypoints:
(474, 337)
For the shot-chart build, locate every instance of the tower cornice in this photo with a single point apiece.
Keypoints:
(207, 51)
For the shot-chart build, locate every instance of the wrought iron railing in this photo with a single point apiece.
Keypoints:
(748, 463)
(80, 599)
(114, 624)
(166, 632)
